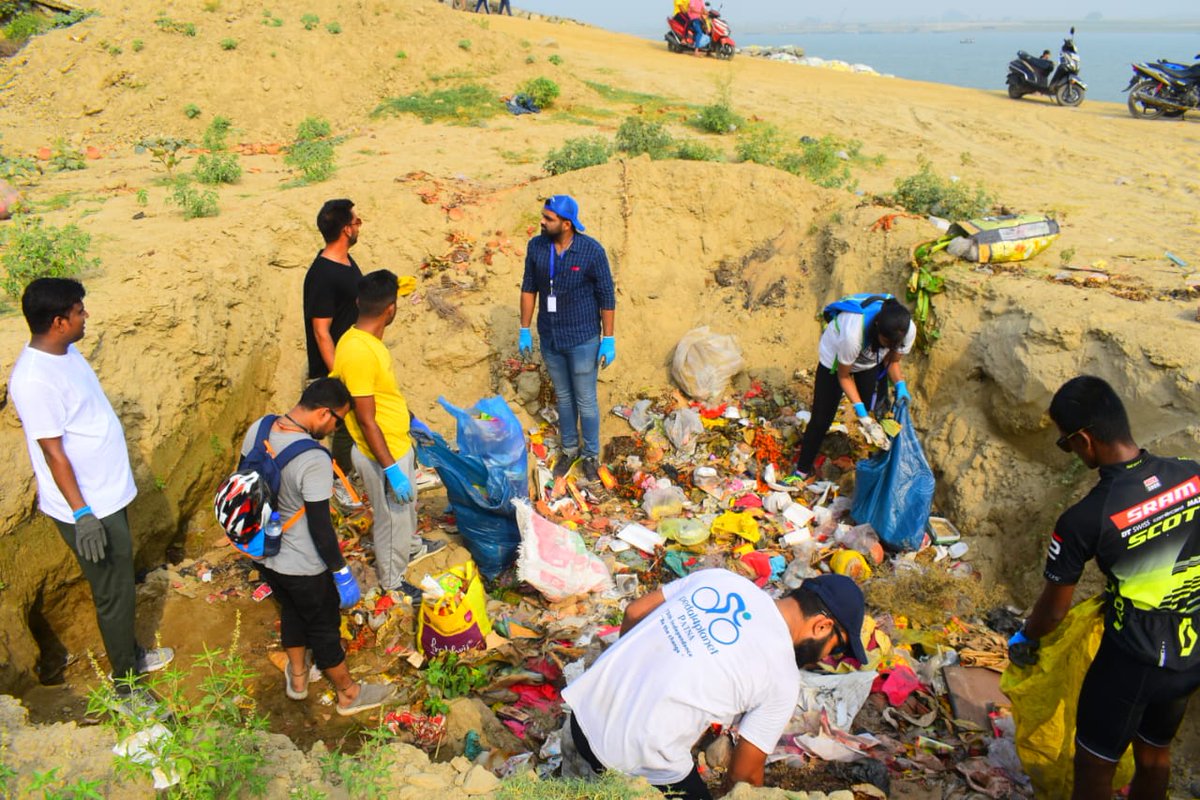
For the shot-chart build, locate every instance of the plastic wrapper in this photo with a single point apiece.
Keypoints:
(664, 500)
(682, 427)
(704, 362)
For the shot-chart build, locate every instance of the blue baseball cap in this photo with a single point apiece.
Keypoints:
(566, 208)
(845, 603)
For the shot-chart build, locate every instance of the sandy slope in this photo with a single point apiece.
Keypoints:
(196, 329)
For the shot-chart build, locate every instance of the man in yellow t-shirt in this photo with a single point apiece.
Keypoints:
(383, 451)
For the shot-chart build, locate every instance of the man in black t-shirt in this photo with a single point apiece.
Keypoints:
(1141, 523)
(331, 302)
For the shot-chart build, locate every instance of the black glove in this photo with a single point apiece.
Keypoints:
(1022, 650)
(90, 538)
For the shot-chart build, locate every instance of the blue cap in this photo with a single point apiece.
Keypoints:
(566, 208)
(844, 600)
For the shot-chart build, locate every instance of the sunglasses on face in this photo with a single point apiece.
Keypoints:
(340, 419)
(1064, 442)
(841, 640)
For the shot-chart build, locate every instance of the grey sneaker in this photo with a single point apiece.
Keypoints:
(154, 659)
(370, 695)
(425, 547)
(342, 497)
(140, 704)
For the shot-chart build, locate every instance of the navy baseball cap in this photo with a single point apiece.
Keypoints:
(566, 208)
(845, 603)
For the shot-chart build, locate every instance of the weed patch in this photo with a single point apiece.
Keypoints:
(609, 786)
(24, 24)
(17, 168)
(310, 21)
(543, 91)
(312, 154)
(229, 44)
(66, 159)
(464, 44)
(214, 135)
(168, 25)
(194, 203)
(32, 249)
(214, 168)
(555, 59)
(334, 27)
(637, 136)
(718, 118)
(826, 161)
(191, 111)
(365, 773)
(463, 104)
(694, 150)
(166, 150)
(926, 192)
(586, 151)
(615, 95)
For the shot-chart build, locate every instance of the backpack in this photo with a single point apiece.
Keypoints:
(862, 303)
(246, 499)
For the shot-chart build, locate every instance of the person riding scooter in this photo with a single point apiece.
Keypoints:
(696, 14)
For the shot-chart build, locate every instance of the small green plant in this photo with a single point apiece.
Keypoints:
(555, 59)
(17, 168)
(543, 91)
(191, 111)
(586, 151)
(168, 25)
(637, 136)
(214, 729)
(229, 44)
(270, 20)
(365, 773)
(693, 150)
(30, 249)
(531, 59)
(23, 26)
(137, 45)
(464, 44)
(718, 118)
(926, 192)
(763, 144)
(65, 158)
(1066, 255)
(219, 167)
(609, 786)
(306, 793)
(214, 135)
(310, 21)
(194, 202)
(113, 49)
(160, 483)
(824, 161)
(214, 444)
(447, 677)
(468, 103)
(142, 197)
(923, 284)
(166, 150)
(313, 151)
(400, 54)
(334, 27)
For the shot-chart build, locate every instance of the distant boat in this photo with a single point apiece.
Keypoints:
(966, 41)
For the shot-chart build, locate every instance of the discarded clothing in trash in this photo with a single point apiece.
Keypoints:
(522, 104)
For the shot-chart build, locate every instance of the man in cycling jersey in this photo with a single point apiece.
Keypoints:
(1140, 523)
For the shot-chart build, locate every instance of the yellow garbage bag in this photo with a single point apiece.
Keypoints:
(1044, 699)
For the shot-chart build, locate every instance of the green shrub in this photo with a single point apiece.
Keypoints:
(823, 161)
(555, 59)
(334, 27)
(312, 153)
(271, 20)
(926, 192)
(586, 151)
(718, 118)
(763, 144)
(310, 21)
(31, 249)
(215, 133)
(137, 45)
(215, 168)
(191, 111)
(168, 25)
(464, 44)
(637, 136)
(163, 149)
(229, 44)
(17, 168)
(400, 54)
(23, 26)
(531, 59)
(363, 774)
(194, 202)
(142, 197)
(467, 103)
(543, 91)
(66, 159)
(694, 150)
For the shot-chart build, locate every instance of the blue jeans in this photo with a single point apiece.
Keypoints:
(697, 32)
(573, 373)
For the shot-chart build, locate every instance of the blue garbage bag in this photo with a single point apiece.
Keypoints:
(481, 499)
(894, 489)
(491, 431)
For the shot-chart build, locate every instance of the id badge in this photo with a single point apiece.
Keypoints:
(551, 304)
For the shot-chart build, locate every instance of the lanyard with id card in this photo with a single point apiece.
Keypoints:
(551, 300)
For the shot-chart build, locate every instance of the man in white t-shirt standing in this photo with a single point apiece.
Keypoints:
(709, 648)
(77, 448)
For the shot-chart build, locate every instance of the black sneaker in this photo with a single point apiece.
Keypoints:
(563, 465)
(591, 470)
(414, 593)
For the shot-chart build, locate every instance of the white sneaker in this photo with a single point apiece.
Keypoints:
(427, 479)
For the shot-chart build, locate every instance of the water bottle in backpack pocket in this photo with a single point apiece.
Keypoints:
(246, 502)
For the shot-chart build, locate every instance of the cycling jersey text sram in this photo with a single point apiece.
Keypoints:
(1160, 514)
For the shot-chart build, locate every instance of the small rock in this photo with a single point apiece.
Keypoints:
(843, 155)
(841, 794)
(482, 781)
(428, 780)
(862, 790)
(460, 763)
(1122, 181)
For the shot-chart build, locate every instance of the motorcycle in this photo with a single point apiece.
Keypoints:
(1163, 88)
(1032, 75)
(720, 41)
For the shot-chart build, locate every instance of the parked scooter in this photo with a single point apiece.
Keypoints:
(719, 39)
(1032, 75)
(1163, 88)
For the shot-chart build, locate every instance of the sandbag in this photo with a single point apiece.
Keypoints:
(893, 489)
(704, 362)
(1045, 698)
(481, 500)
(1000, 239)
(491, 431)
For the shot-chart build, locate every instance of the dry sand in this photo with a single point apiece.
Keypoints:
(196, 329)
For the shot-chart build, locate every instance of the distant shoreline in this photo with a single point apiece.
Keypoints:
(1128, 26)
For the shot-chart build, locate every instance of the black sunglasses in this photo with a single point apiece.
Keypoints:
(340, 419)
(842, 640)
(1064, 442)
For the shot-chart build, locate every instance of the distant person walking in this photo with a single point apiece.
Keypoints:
(383, 450)
(309, 579)
(484, 5)
(330, 306)
(505, 5)
(77, 448)
(568, 281)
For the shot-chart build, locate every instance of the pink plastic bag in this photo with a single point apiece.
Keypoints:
(554, 560)
(897, 685)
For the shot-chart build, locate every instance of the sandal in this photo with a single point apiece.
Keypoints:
(287, 681)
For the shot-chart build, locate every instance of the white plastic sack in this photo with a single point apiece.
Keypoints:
(704, 362)
(554, 560)
(682, 427)
(840, 695)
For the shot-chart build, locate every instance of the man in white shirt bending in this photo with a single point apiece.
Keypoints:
(77, 448)
(709, 648)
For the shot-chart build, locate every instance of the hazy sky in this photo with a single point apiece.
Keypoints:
(637, 14)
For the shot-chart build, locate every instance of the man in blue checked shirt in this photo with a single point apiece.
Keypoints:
(568, 279)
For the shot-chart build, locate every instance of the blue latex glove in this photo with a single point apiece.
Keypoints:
(860, 410)
(401, 487)
(608, 352)
(902, 394)
(1022, 650)
(525, 342)
(347, 587)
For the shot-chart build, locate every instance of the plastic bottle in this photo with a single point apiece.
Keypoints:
(273, 532)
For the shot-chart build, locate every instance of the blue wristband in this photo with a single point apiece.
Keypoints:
(860, 409)
(82, 512)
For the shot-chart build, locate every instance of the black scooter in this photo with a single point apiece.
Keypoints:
(1032, 75)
